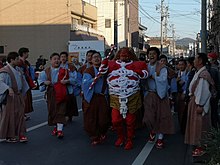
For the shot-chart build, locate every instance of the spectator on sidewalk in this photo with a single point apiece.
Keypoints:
(214, 72)
(41, 62)
(198, 119)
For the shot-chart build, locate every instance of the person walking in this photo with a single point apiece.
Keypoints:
(14, 87)
(157, 115)
(123, 77)
(71, 109)
(96, 105)
(54, 79)
(28, 72)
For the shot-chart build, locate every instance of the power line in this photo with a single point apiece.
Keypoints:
(12, 5)
(144, 13)
(184, 15)
(53, 18)
(198, 1)
(148, 14)
(174, 3)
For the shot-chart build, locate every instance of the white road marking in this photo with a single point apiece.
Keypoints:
(36, 126)
(140, 159)
(38, 100)
(31, 128)
(145, 152)
(37, 95)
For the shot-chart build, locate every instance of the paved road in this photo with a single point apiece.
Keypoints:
(75, 148)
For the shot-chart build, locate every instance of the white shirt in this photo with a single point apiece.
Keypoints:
(201, 93)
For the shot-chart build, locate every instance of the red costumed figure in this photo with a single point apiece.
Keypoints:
(123, 77)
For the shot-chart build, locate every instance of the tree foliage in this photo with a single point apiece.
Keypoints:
(212, 144)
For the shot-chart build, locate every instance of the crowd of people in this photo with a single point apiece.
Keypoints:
(120, 93)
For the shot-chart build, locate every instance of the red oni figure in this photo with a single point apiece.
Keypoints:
(123, 77)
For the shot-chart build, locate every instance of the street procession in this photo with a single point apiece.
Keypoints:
(67, 96)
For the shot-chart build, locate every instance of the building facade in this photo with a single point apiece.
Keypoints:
(45, 26)
(167, 44)
(122, 14)
(214, 26)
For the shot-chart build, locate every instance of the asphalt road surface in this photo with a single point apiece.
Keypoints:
(75, 147)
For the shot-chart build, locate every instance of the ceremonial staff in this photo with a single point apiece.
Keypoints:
(103, 68)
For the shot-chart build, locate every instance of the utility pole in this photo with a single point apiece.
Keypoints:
(209, 14)
(173, 43)
(194, 48)
(203, 27)
(166, 15)
(126, 21)
(116, 23)
(161, 27)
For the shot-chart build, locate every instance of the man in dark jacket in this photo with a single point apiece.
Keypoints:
(214, 72)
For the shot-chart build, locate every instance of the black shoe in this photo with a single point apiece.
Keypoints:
(26, 117)
(70, 119)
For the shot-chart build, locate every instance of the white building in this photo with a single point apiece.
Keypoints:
(127, 18)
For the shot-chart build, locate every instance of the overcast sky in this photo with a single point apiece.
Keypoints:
(184, 14)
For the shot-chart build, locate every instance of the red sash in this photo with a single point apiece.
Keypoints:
(25, 65)
(61, 89)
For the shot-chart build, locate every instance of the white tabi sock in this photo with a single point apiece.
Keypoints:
(59, 127)
(160, 136)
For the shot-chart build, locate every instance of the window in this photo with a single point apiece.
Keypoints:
(75, 21)
(107, 23)
(2, 49)
(87, 24)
